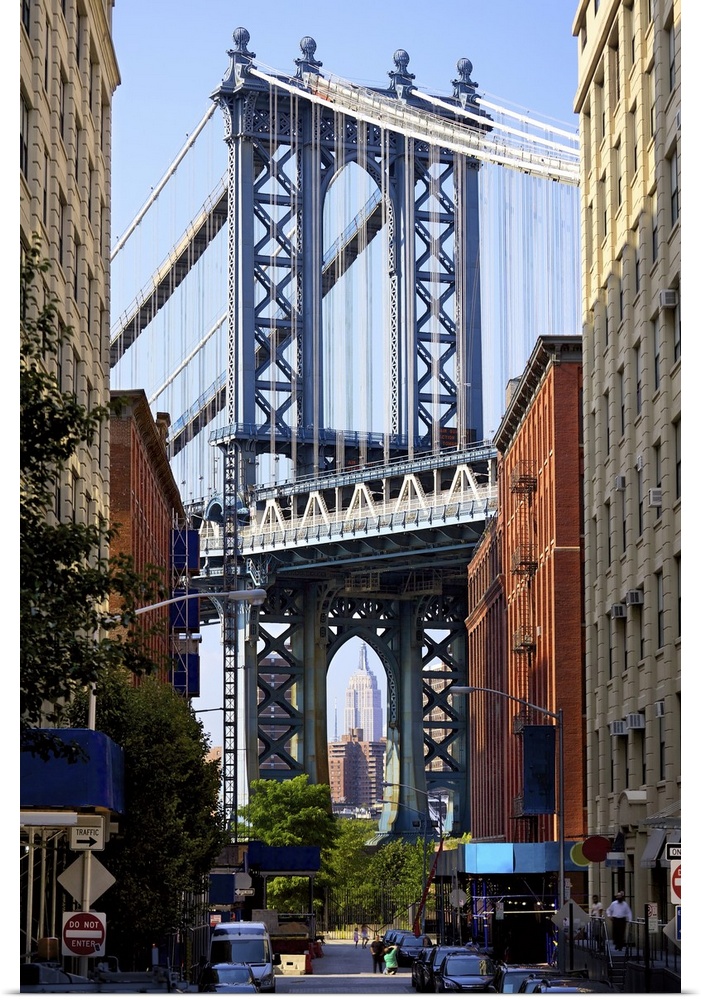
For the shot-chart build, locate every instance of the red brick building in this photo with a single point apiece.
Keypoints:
(356, 770)
(145, 503)
(525, 627)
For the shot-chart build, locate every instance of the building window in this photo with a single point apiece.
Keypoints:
(662, 747)
(45, 192)
(26, 15)
(674, 185)
(609, 540)
(621, 301)
(634, 133)
(61, 229)
(638, 379)
(607, 420)
(612, 643)
(678, 459)
(637, 271)
(659, 590)
(47, 56)
(624, 526)
(671, 48)
(596, 6)
(622, 400)
(678, 567)
(62, 105)
(583, 38)
(618, 180)
(656, 348)
(76, 265)
(23, 136)
(641, 499)
(75, 495)
(657, 453)
(616, 70)
(655, 230)
(651, 100)
(676, 319)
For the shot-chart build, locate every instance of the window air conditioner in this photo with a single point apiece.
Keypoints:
(634, 597)
(659, 709)
(639, 463)
(636, 720)
(618, 610)
(620, 482)
(668, 298)
(655, 497)
(617, 728)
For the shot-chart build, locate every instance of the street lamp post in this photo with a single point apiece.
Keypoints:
(557, 716)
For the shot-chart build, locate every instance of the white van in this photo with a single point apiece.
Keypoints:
(243, 941)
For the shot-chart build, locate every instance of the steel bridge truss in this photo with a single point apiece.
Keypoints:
(372, 535)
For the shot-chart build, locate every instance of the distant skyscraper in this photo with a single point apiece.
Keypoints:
(363, 702)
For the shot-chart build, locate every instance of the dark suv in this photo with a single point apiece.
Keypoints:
(408, 947)
(425, 975)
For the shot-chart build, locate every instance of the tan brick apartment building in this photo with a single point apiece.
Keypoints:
(628, 99)
(68, 74)
(525, 628)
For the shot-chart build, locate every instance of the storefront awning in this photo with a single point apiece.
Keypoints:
(655, 841)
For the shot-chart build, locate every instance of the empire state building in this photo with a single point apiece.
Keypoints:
(363, 702)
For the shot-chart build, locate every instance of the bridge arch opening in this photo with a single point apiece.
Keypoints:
(356, 695)
(354, 326)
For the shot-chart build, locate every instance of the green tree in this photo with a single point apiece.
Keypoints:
(173, 830)
(290, 813)
(68, 638)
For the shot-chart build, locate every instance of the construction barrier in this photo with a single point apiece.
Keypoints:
(293, 965)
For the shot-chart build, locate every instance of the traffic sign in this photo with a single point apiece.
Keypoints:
(88, 834)
(245, 892)
(652, 917)
(675, 883)
(673, 852)
(84, 934)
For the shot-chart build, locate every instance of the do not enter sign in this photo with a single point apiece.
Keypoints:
(83, 934)
(675, 883)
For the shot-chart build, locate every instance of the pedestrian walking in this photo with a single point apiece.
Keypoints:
(391, 963)
(356, 936)
(364, 935)
(620, 913)
(596, 912)
(376, 950)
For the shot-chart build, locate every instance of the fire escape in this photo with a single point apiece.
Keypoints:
(523, 564)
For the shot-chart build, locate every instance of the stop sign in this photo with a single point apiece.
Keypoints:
(84, 934)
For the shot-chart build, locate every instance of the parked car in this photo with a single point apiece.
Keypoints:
(418, 968)
(228, 978)
(510, 975)
(409, 945)
(426, 972)
(574, 986)
(466, 971)
(532, 982)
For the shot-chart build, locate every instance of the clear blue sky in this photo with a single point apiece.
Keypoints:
(173, 53)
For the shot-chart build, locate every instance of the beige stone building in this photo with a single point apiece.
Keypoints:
(628, 100)
(68, 74)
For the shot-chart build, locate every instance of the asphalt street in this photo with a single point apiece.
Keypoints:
(343, 968)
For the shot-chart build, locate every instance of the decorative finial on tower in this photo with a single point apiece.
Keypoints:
(307, 64)
(240, 60)
(464, 87)
(401, 79)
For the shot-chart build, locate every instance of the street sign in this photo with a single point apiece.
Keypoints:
(88, 835)
(562, 916)
(73, 880)
(673, 852)
(245, 892)
(675, 883)
(499, 910)
(678, 923)
(652, 919)
(84, 934)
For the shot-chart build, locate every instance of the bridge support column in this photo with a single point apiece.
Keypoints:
(313, 699)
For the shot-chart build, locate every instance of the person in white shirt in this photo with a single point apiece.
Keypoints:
(620, 913)
(596, 911)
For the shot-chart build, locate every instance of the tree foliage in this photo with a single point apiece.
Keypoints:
(173, 829)
(68, 638)
(290, 813)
